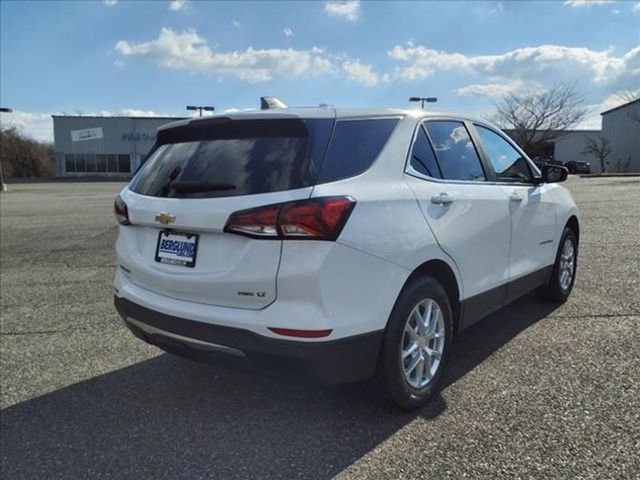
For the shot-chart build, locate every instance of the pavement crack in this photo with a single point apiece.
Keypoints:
(599, 315)
(35, 332)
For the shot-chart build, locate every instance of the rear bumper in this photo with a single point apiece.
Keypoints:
(344, 360)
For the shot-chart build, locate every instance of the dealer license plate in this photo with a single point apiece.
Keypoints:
(177, 248)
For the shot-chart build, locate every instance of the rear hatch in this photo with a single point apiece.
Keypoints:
(196, 176)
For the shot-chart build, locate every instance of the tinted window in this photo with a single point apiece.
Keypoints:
(506, 161)
(355, 144)
(101, 163)
(91, 163)
(69, 164)
(80, 163)
(455, 151)
(112, 165)
(422, 158)
(223, 157)
(124, 164)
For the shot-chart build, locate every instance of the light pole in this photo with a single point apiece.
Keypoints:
(423, 100)
(3, 186)
(206, 108)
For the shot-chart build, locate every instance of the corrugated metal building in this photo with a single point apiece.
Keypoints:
(103, 146)
(621, 129)
(572, 147)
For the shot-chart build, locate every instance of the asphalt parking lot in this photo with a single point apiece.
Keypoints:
(534, 391)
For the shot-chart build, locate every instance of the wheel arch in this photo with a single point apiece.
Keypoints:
(443, 273)
(574, 225)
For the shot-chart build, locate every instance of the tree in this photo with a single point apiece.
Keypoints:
(629, 96)
(23, 156)
(598, 147)
(537, 119)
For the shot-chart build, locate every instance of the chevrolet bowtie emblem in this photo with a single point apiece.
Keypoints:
(165, 218)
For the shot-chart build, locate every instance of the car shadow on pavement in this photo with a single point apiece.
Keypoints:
(171, 418)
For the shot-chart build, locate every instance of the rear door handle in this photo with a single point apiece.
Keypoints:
(514, 197)
(442, 199)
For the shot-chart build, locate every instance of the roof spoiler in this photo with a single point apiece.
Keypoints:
(268, 103)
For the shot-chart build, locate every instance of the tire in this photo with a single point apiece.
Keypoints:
(391, 380)
(558, 287)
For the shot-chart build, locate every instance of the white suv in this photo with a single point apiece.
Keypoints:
(337, 244)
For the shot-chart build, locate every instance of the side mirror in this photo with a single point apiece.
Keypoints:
(554, 173)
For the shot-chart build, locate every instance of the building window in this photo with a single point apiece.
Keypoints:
(124, 164)
(101, 163)
(69, 163)
(81, 165)
(91, 162)
(112, 163)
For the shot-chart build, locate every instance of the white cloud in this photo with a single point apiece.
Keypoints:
(636, 7)
(236, 23)
(131, 112)
(119, 63)
(189, 51)
(35, 125)
(288, 32)
(176, 5)
(540, 62)
(360, 72)
(586, 3)
(110, 3)
(349, 10)
(491, 89)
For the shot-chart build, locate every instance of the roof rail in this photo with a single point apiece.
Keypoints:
(268, 103)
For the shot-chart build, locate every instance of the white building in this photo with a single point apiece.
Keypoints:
(103, 146)
(621, 129)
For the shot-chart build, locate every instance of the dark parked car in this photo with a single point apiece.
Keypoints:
(540, 161)
(578, 167)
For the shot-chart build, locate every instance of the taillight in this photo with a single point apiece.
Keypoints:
(314, 219)
(121, 212)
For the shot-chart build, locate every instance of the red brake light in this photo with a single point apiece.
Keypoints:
(121, 212)
(315, 219)
(256, 222)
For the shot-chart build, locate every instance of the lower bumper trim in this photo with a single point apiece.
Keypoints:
(335, 361)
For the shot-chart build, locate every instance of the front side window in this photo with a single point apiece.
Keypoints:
(506, 161)
(455, 152)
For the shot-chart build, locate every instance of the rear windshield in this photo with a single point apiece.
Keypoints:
(222, 158)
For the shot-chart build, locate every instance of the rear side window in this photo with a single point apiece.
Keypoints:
(423, 159)
(223, 157)
(456, 154)
(355, 144)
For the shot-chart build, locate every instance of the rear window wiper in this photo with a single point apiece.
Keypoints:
(199, 187)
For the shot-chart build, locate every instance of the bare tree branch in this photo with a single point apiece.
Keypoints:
(539, 118)
(598, 147)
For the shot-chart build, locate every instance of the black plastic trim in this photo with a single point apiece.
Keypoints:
(479, 306)
(331, 362)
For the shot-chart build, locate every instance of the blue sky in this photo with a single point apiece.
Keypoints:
(142, 57)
